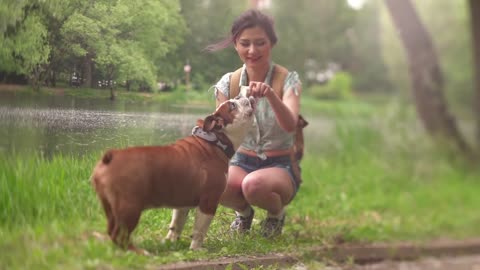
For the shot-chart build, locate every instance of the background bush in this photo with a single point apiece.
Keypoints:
(339, 87)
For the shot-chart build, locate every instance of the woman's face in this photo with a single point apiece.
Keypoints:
(254, 47)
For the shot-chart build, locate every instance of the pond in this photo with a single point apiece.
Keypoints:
(52, 125)
(76, 126)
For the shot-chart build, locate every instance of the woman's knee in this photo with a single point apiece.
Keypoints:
(232, 195)
(261, 185)
(253, 187)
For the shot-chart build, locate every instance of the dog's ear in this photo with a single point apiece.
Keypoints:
(223, 112)
(209, 122)
(220, 123)
(212, 122)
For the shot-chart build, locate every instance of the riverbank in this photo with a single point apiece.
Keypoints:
(192, 98)
(177, 96)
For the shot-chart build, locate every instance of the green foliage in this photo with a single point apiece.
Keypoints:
(80, 34)
(147, 41)
(339, 87)
(312, 30)
(28, 51)
(207, 22)
(127, 40)
(11, 11)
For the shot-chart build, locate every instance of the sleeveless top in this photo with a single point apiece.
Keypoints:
(265, 133)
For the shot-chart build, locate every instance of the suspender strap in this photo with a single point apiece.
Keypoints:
(278, 79)
(279, 75)
(234, 83)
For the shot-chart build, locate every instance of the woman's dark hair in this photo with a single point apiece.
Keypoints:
(247, 19)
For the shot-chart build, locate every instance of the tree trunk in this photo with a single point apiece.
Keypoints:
(35, 78)
(110, 82)
(53, 78)
(475, 19)
(87, 71)
(426, 76)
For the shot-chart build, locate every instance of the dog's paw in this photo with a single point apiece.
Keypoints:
(139, 251)
(196, 246)
(142, 252)
(100, 236)
(199, 249)
(172, 236)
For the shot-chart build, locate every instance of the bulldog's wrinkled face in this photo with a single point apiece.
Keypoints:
(232, 114)
(240, 107)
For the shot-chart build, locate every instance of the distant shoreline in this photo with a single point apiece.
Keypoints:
(175, 96)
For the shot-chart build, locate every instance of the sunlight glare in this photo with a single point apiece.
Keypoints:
(356, 4)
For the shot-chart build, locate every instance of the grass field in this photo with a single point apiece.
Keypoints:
(377, 177)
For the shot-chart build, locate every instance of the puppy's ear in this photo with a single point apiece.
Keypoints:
(212, 122)
(220, 123)
(208, 123)
(223, 112)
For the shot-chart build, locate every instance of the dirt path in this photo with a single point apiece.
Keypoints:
(441, 255)
(464, 262)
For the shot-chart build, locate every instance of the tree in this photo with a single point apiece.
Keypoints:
(451, 41)
(426, 75)
(39, 38)
(313, 30)
(11, 11)
(27, 50)
(314, 34)
(207, 22)
(120, 39)
(475, 26)
(126, 40)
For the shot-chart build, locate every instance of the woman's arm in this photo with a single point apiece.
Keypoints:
(286, 109)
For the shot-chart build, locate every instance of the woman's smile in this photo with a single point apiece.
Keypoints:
(254, 47)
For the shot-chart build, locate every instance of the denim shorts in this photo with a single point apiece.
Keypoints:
(250, 164)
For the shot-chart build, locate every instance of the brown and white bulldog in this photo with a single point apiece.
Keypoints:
(188, 173)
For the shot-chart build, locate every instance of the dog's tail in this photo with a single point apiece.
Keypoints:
(107, 157)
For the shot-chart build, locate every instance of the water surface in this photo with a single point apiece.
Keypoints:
(68, 125)
(77, 126)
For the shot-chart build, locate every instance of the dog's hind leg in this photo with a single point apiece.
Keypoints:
(126, 219)
(200, 228)
(179, 217)
(109, 214)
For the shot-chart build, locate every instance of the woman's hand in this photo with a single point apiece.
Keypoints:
(260, 89)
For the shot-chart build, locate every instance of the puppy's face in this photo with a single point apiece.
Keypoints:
(232, 114)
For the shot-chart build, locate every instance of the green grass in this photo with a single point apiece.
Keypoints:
(371, 187)
(376, 178)
(310, 105)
